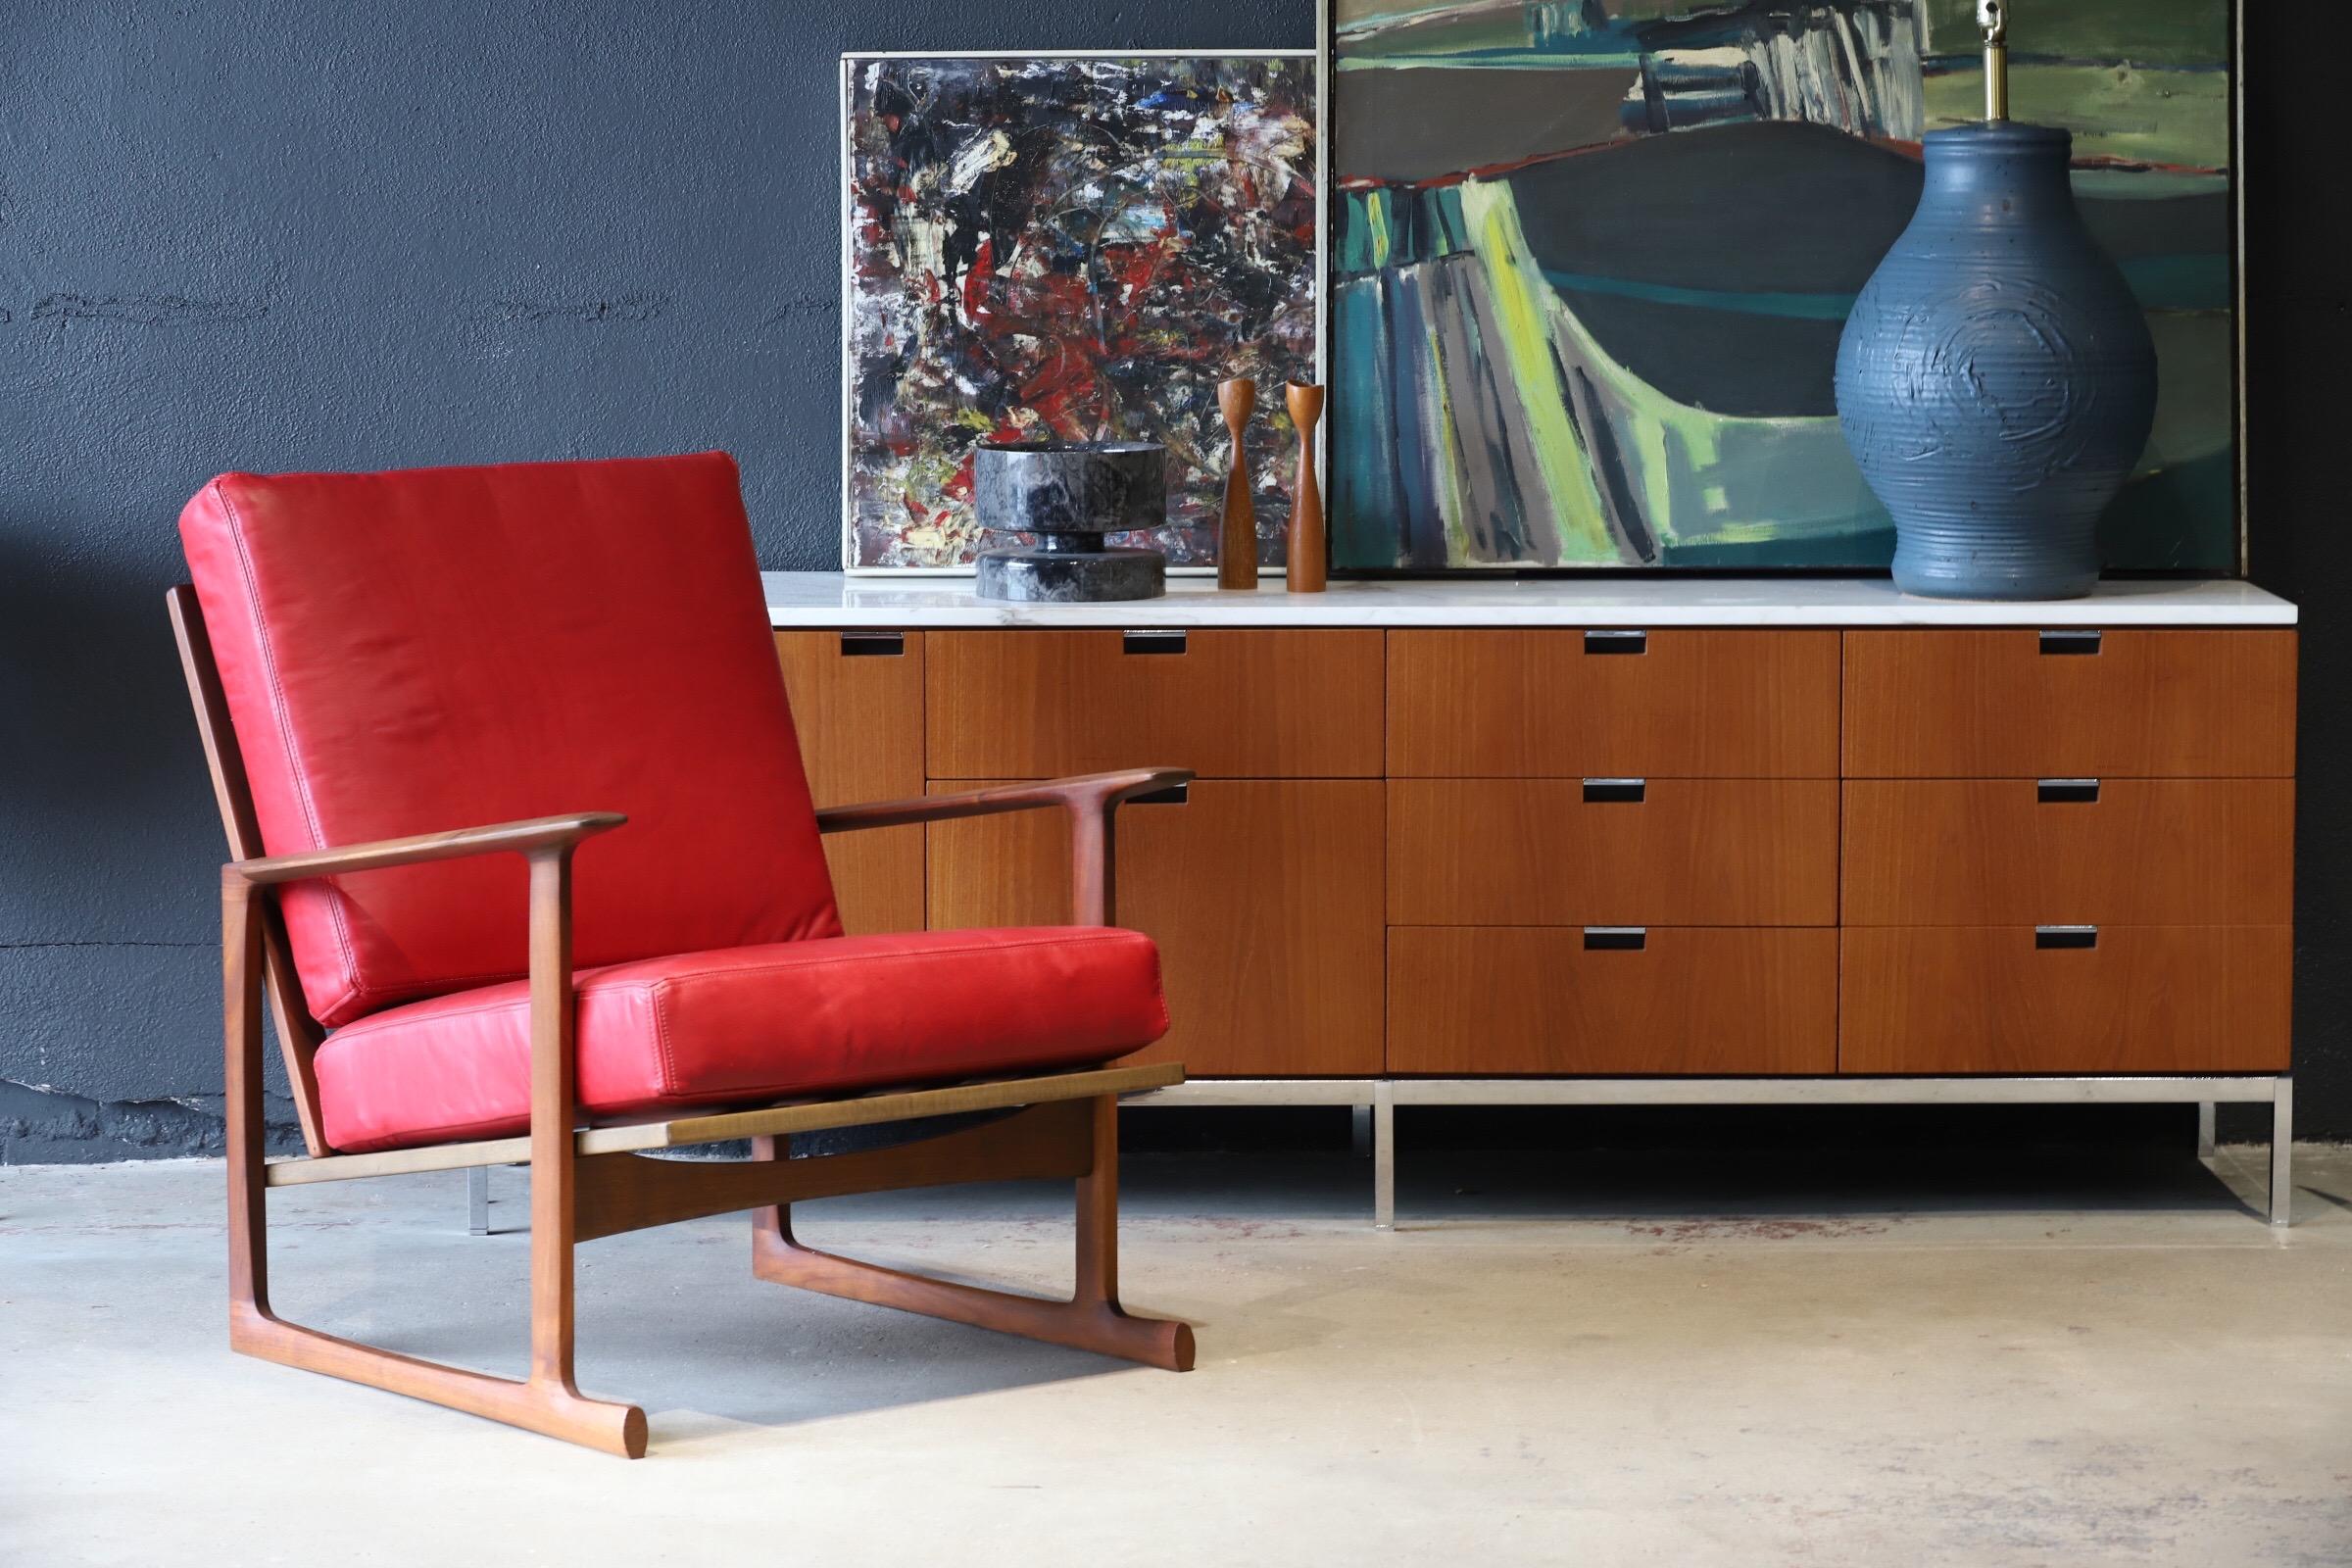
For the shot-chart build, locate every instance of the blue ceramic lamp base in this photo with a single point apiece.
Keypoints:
(1996, 381)
(2023, 555)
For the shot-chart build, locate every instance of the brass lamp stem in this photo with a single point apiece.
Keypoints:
(1992, 15)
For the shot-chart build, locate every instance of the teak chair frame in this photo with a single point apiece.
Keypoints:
(587, 1184)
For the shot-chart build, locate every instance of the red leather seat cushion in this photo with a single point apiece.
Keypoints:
(750, 1024)
(444, 648)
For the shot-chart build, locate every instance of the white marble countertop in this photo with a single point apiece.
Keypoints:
(831, 600)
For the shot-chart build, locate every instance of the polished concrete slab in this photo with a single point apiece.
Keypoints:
(1945, 1357)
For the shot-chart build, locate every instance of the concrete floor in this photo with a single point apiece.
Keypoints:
(1962, 1358)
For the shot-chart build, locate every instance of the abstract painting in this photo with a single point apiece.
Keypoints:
(1590, 261)
(1077, 247)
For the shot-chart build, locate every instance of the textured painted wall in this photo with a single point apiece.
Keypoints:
(299, 235)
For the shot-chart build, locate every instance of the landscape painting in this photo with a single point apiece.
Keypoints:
(1049, 246)
(1590, 259)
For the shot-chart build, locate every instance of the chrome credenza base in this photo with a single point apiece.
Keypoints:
(1375, 1102)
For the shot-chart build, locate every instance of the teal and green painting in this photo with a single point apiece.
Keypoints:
(1590, 259)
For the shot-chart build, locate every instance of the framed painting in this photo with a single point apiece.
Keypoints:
(1042, 246)
(1590, 259)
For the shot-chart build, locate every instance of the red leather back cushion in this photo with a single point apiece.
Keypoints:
(411, 652)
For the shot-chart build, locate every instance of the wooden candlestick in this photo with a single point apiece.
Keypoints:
(1237, 543)
(1305, 552)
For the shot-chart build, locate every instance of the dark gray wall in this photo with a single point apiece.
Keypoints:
(323, 236)
(2299, 344)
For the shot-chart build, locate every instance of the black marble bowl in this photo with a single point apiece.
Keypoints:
(1066, 487)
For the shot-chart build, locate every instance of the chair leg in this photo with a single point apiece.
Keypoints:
(553, 1406)
(1091, 1320)
(555, 1410)
(547, 1401)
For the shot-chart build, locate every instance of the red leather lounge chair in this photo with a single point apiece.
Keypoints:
(423, 696)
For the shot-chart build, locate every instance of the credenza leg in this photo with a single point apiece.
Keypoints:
(1361, 1117)
(2282, 1152)
(2205, 1129)
(1384, 1156)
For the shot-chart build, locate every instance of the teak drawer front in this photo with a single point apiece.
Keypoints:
(1559, 703)
(2110, 852)
(1264, 898)
(857, 705)
(1565, 851)
(1989, 1000)
(1226, 703)
(1995, 704)
(1527, 999)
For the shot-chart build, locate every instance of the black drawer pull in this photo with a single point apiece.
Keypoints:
(1152, 642)
(2059, 791)
(1616, 642)
(1173, 795)
(872, 644)
(2049, 937)
(1616, 938)
(1599, 790)
(2070, 642)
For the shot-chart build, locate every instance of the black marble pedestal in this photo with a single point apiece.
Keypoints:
(1068, 495)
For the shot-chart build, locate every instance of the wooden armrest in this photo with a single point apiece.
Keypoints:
(1091, 799)
(537, 833)
(1080, 792)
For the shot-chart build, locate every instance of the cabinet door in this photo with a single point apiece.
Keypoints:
(857, 705)
(1264, 897)
(1467, 1001)
(1613, 852)
(2120, 1000)
(2083, 852)
(1226, 703)
(2041, 704)
(1667, 703)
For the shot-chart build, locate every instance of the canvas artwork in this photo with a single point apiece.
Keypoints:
(1048, 246)
(1590, 259)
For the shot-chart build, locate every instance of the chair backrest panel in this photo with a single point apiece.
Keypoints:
(409, 652)
(297, 1033)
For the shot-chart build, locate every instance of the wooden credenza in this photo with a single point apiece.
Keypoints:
(1576, 841)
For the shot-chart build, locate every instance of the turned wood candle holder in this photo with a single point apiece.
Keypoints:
(1237, 541)
(1305, 554)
